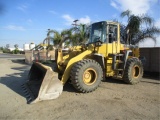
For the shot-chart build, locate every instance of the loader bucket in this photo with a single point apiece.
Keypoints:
(43, 84)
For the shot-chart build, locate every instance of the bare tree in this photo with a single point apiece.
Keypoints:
(7, 46)
(16, 46)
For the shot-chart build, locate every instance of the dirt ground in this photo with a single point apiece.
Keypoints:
(113, 100)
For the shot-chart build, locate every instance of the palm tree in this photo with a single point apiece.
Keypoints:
(135, 32)
(79, 34)
(58, 37)
(72, 36)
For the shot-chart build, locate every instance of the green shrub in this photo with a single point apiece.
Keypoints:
(6, 51)
(16, 51)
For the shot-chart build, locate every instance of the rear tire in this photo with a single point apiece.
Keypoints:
(133, 71)
(86, 75)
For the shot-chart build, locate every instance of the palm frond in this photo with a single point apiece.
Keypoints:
(52, 31)
(133, 24)
(66, 32)
(146, 19)
(126, 13)
(146, 33)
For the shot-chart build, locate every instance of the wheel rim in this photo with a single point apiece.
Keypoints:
(89, 76)
(136, 71)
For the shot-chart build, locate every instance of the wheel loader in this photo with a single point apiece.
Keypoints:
(86, 65)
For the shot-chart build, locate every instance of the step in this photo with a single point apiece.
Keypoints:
(111, 55)
(119, 54)
(120, 62)
(119, 69)
(117, 77)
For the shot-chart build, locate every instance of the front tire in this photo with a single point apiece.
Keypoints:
(133, 71)
(86, 75)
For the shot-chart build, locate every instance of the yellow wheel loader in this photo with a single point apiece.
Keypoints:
(86, 65)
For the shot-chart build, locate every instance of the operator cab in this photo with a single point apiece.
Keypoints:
(105, 32)
(98, 32)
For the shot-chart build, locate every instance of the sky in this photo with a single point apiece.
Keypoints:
(26, 21)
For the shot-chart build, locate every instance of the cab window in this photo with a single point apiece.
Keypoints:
(112, 33)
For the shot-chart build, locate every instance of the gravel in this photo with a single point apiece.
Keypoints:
(113, 100)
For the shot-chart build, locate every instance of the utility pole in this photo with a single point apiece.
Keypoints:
(75, 23)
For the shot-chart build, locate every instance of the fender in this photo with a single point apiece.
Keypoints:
(71, 63)
(99, 58)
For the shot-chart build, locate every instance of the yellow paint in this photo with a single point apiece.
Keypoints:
(70, 64)
(89, 76)
(78, 53)
(136, 52)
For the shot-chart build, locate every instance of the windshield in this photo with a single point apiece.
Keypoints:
(98, 32)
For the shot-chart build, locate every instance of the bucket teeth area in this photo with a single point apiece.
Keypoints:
(28, 93)
(42, 84)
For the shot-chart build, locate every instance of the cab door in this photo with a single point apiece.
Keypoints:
(113, 46)
(113, 39)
